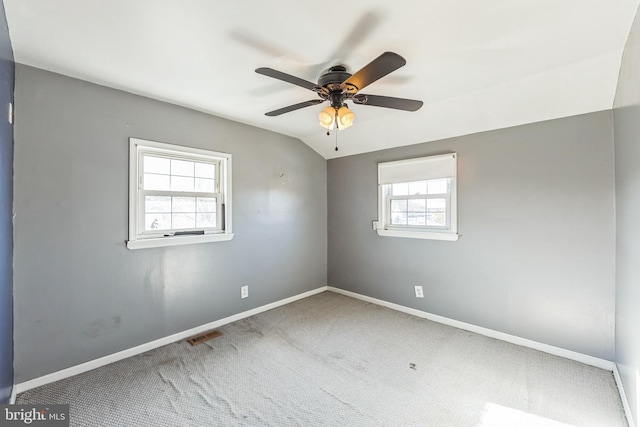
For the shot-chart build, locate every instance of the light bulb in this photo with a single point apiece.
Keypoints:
(326, 118)
(345, 117)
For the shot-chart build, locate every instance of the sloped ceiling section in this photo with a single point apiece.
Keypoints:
(476, 65)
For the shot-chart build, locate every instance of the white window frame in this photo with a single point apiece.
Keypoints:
(138, 237)
(411, 170)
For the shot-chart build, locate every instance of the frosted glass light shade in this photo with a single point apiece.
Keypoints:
(326, 118)
(345, 118)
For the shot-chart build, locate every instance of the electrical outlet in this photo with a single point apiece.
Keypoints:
(244, 292)
(419, 293)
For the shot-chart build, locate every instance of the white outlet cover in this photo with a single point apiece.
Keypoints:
(244, 292)
(419, 293)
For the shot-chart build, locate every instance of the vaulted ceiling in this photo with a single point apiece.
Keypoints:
(476, 65)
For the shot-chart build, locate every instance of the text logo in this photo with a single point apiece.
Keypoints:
(34, 415)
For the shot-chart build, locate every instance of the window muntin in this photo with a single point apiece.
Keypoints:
(179, 213)
(178, 191)
(174, 174)
(178, 194)
(419, 204)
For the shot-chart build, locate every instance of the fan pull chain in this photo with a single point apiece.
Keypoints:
(336, 140)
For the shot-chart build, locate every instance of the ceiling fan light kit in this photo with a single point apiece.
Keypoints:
(341, 117)
(326, 118)
(345, 117)
(338, 86)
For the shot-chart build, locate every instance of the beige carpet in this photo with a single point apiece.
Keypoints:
(330, 360)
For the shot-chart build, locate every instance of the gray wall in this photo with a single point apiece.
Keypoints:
(79, 293)
(536, 215)
(7, 68)
(626, 115)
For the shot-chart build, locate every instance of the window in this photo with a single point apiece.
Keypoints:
(177, 195)
(417, 198)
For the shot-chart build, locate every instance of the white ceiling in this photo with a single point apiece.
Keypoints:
(477, 65)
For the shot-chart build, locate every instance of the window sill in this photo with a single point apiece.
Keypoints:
(177, 241)
(419, 235)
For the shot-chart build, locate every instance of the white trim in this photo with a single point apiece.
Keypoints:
(102, 361)
(452, 237)
(623, 396)
(177, 240)
(557, 351)
(224, 173)
(12, 397)
(171, 149)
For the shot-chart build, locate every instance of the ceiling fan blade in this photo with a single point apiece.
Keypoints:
(261, 44)
(294, 107)
(356, 36)
(376, 69)
(270, 72)
(388, 102)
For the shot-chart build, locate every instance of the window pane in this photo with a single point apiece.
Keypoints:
(206, 205)
(417, 205)
(157, 221)
(156, 165)
(205, 185)
(206, 170)
(438, 186)
(183, 204)
(156, 182)
(178, 213)
(398, 218)
(436, 205)
(157, 204)
(436, 219)
(401, 189)
(418, 187)
(183, 220)
(180, 183)
(436, 212)
(398, 206)
(416, 218)
(205, 220)
(181, 167)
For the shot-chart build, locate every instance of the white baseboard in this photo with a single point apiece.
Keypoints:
(623, 396)
(12, 398)
(93, 364)
(557, 351)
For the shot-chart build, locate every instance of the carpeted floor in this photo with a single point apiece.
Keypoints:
(330, 360)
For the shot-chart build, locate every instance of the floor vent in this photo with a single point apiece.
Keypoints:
(199, 339)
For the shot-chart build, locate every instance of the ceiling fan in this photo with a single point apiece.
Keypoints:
(338, 86)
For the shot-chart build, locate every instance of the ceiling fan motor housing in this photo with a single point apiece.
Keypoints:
(334, 76)
(332, 82)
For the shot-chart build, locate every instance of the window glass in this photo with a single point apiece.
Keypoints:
(401, 189)
(205, 170)
(438, 186)
(158, 165)
(418, 187)
(182, 168)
